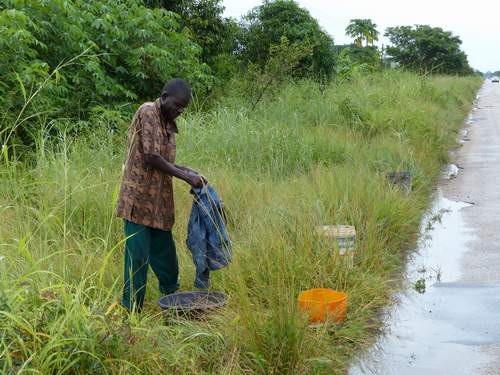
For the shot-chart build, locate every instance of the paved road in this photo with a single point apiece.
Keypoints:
(452, 326)
(480, 183)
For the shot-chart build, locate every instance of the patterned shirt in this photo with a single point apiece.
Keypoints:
(146, 193)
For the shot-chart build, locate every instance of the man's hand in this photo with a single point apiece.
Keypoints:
(205, 181)
(195, 180)
(193, 172)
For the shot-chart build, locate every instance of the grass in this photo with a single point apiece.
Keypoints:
(304, 158)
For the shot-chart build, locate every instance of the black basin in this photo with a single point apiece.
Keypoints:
(192, 304)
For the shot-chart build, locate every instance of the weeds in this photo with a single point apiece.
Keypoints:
(293, 163)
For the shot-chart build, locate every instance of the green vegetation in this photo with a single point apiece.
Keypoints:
(215, 34)
(265, 25)
(292, 131)
(304, 157)
(362, 30)
(356, 57)
(125, 53)
(427, 49)
(353, 56)
(79, 63)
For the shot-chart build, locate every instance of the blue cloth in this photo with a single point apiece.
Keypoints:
(207, 238)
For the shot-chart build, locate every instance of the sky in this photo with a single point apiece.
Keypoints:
(477, 22)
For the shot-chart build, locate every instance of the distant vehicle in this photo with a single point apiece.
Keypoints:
(494, 80)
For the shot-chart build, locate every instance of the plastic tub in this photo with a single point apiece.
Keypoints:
(322, 304)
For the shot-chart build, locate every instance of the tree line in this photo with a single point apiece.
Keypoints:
(72, 63)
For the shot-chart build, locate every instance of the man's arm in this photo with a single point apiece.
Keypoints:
(186, 169)
(183, 173)
(190, 170)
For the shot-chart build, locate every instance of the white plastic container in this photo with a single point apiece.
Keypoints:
(344, 235)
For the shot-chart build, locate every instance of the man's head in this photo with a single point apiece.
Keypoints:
(175, 97)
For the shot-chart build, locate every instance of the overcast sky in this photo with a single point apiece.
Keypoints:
(477, 22)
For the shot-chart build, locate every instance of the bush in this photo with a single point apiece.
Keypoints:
(112, 53)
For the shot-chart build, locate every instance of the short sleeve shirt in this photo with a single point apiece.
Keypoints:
(146, 193)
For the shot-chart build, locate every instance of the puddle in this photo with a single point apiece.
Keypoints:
(438, 325)
(443, 240)
(451, 171)
(464, 136)
(471, 119)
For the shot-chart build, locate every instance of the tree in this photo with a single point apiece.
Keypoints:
(207, 27)
(369, 55)
(284, 58)
(427, 49)
(362, 29)
(266, 24)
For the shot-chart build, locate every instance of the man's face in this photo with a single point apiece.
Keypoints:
(172, 106)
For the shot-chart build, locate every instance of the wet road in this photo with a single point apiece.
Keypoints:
(447, 321)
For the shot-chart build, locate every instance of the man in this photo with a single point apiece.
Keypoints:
(146, 196)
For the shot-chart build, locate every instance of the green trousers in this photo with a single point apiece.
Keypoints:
(146, 247)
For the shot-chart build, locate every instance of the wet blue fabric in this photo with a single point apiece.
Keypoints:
(207, 237)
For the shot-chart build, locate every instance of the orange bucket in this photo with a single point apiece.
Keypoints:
(322, 304)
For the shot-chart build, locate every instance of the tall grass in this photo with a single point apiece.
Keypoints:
(305, 158)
